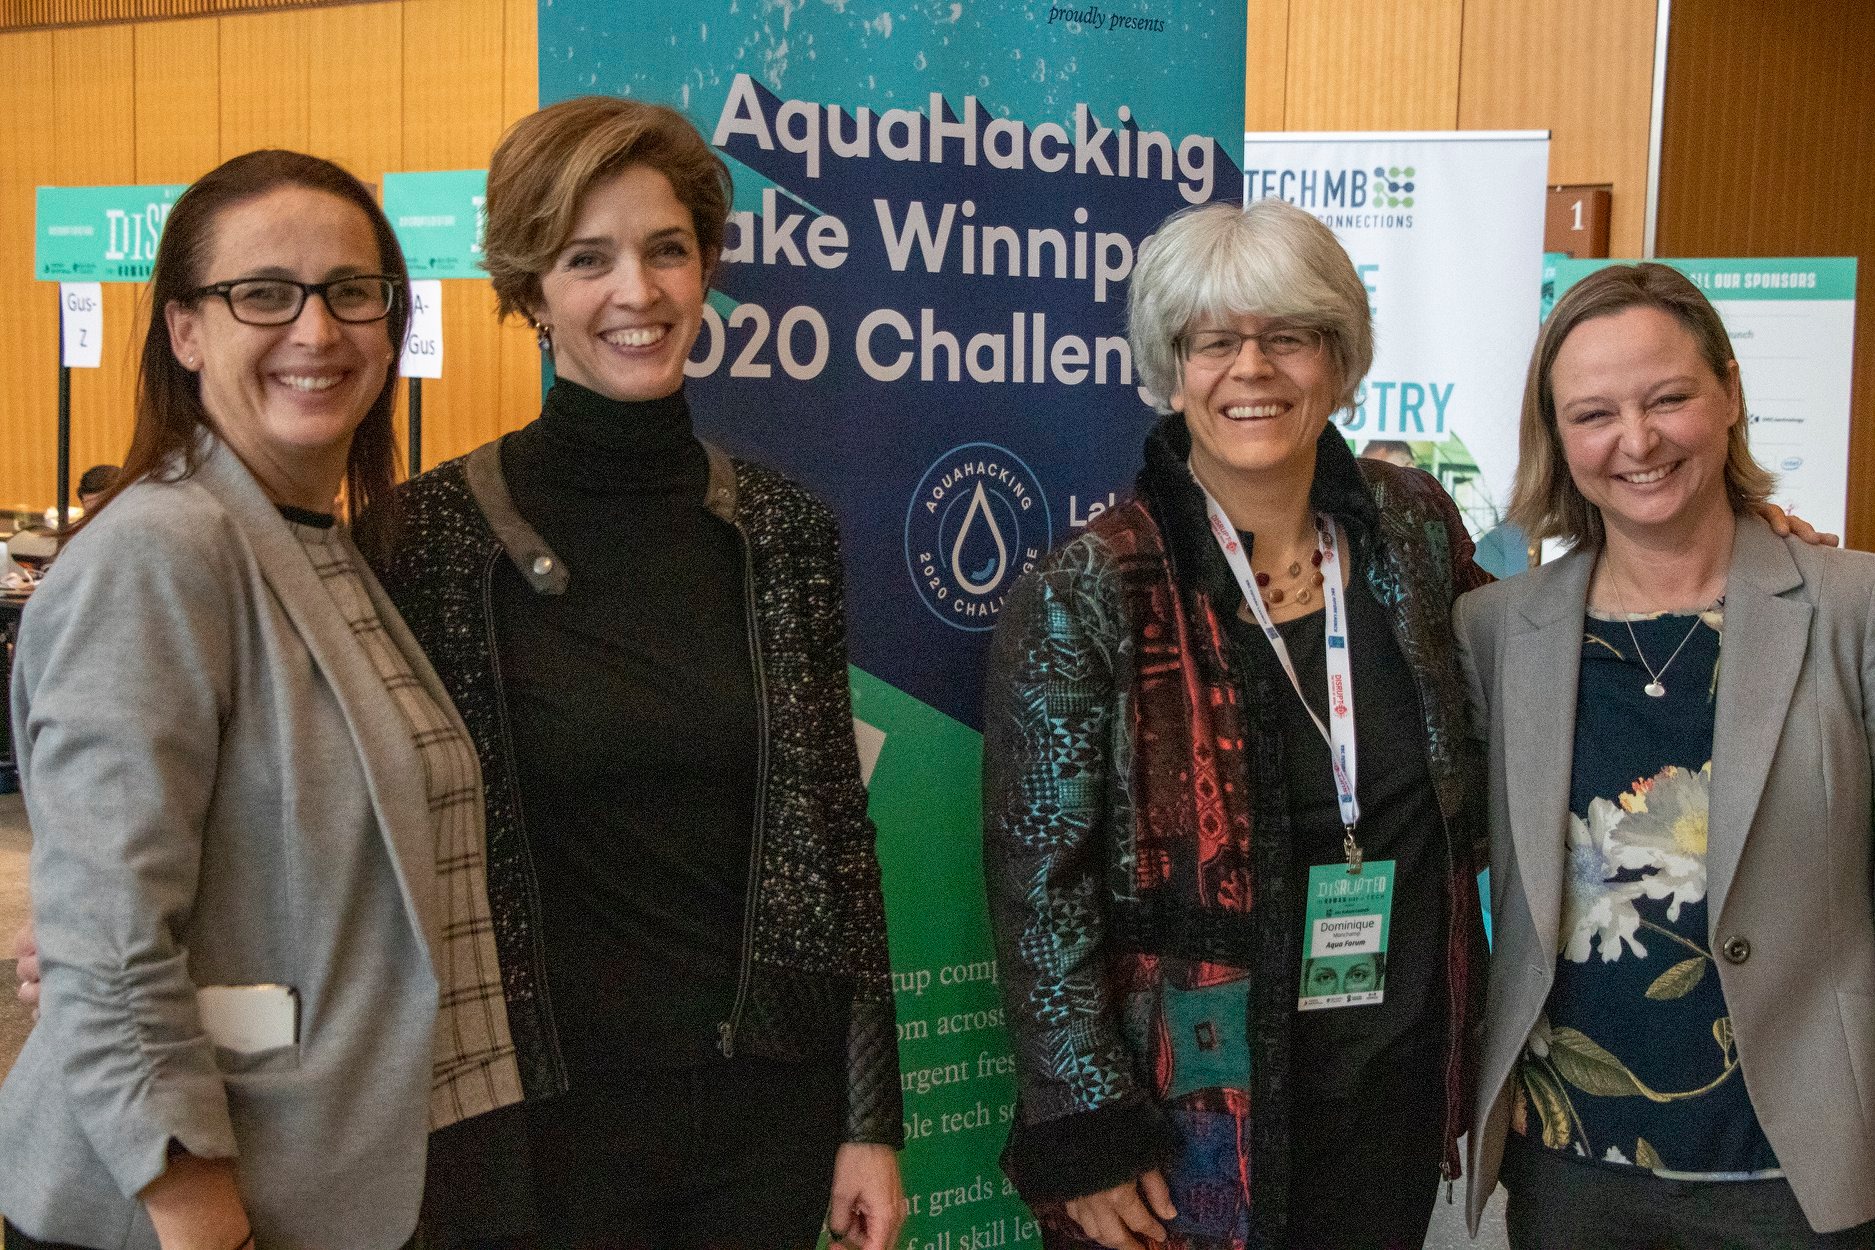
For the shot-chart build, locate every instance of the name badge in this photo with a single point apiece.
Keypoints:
(1344, 936)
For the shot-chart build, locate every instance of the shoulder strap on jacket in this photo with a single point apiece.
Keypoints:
(538, 564)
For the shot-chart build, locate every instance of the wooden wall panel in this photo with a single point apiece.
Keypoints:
(1266, 64)
(379, 87)
(353, 87)
(29, 355)
(451, 121)
(520, 357)
(1769, 150)
(94, 130)
(1581, 69)
(1373, 64)
(452, 118)
(178, 117)
(265, 82)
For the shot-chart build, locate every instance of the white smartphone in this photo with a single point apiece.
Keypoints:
(248, 1019)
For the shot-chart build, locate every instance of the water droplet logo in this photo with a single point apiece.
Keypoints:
(986, 578)
(977, 522)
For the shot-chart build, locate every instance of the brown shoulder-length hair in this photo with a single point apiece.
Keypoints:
(1544, 502)
(169, 409)
(545, 164)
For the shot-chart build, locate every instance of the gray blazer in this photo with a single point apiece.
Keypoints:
(222, 792)
(1788, 865)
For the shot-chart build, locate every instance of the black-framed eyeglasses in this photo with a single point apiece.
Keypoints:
(1218, 346)
(356, 300)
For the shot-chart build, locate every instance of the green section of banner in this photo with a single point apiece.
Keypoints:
(953, 1052)
(99, 234)
(1785, 278)
(438, 218)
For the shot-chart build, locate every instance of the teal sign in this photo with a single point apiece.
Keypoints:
(438, 218)
(1786, 278)
(99, 234)
(1550, 261)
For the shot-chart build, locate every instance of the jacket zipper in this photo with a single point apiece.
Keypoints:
(726, 1031)
(549, 1029)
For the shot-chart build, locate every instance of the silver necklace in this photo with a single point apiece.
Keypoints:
(1653, 688)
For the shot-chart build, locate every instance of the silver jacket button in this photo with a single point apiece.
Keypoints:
(543, 565)
(1737, 950)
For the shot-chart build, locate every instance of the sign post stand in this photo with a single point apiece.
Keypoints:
(82, 236)
(65, 425)
(438, 220)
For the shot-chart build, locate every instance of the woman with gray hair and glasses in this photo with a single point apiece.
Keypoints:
(1239, 936)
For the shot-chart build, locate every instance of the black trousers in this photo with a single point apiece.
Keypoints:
(1364, 1172)
(733, 1155)
(1561, 1203)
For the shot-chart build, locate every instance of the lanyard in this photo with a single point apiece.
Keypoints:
(1338, 733)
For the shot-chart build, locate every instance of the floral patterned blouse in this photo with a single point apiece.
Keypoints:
(1633, 1062)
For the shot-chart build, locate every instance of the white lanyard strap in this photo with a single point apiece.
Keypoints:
(1338, 733)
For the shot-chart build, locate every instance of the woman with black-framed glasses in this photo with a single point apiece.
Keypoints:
(355, 299)
(257, 818)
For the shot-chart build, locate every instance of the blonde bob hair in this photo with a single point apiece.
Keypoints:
(547, 162)
(1219, 261)
(1545, 502)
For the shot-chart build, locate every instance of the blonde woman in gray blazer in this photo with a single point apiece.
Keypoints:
(231, 750)
(1680, 1023)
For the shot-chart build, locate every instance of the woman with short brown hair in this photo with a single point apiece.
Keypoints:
(646, 639)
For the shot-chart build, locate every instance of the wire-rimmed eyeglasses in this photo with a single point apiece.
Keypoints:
(357, 300)
(1217, 346)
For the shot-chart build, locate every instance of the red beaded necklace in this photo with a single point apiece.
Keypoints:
(1301, 585)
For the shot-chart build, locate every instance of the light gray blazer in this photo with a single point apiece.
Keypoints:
(222, 792)
(1788, 861)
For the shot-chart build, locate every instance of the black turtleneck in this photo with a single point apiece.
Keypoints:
(633, 709)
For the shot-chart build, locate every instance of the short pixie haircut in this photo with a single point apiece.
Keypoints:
(1545, 502)
(547, 162)
(1219, 261)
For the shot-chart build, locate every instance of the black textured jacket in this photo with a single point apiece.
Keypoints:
(814, 980)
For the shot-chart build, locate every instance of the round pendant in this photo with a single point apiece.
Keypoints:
(1295, 568)
(1655, 690)
(1302, 596)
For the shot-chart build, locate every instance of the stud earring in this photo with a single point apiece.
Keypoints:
(543, 335)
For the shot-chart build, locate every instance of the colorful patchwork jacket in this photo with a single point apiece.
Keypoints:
(1121, 852)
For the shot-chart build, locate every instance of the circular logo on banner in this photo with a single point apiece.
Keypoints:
(977, 522)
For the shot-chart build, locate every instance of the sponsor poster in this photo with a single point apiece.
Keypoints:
(921, 316)
(1446, 229)
(1792, 324)
(99, 234)
(438, 218)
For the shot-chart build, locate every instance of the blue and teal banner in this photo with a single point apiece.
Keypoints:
(921, 316)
